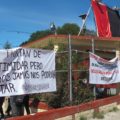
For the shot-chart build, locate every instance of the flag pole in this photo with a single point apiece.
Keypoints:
(85, 20)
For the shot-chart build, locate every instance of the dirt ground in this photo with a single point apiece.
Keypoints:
(110, 116)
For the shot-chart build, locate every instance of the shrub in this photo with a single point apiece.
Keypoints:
(114, 109)
(83, 118)
(99, 115)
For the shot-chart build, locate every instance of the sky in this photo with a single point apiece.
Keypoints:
(20, 18)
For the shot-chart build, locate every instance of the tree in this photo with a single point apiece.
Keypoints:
(39, 34)
(7, 45)
(68, 28)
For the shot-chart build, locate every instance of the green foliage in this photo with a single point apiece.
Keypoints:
(68, 28)
(75, 57)
(83, 118)
(39, 34)
(36, 96)
(7, 45)
(81, 92)
(54, 99)
(62, 47)
(50, 45)
(114, 109)
(99, 115)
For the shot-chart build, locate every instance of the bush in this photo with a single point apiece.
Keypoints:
(114, 109)
(83, 118)
(99, 115)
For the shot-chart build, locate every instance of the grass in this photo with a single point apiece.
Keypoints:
(114, 109)
(99, 115)
(83, 118)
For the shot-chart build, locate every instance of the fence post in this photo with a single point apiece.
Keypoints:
(93, 51)
(70, 68)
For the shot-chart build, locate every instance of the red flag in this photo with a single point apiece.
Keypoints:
(101, 19)
(107, 20)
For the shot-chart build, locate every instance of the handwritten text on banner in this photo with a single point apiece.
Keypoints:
(24, 71)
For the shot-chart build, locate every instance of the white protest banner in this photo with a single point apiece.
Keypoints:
(103, 71)
(24, 71)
